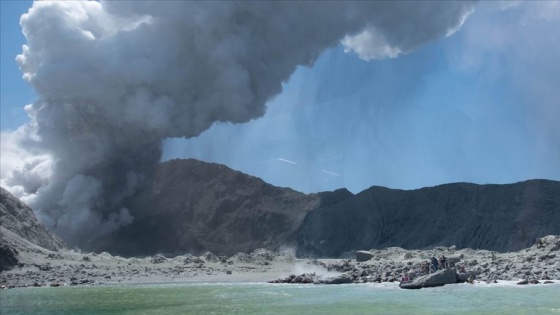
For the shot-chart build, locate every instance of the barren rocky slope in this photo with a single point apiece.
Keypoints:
(493, 217)
(20, 219)
(197, 206)
(229, 211)
(194, 207)
(19, 225)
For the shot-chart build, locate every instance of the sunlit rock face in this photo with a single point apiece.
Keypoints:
(19, 219)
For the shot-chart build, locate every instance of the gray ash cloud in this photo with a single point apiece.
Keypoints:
(115, 79)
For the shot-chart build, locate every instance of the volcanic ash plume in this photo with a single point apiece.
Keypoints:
(116, 78)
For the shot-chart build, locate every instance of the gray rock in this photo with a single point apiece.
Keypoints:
(549, 256)
(45, 267)
(339, 280)
(297, 279)
(363, 255)
(454, 258)
(8, 257)
(436, 279)
(240, 257)
(191, 259)
(210, 257)
(55, 256)
(18, 218)
(464, 276)
(262, 254)
(158, 259)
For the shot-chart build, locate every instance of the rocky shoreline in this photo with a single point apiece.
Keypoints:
(537, 264)
(39, 267)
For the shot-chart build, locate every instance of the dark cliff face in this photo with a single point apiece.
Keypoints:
(197, 206)
(494, 217)
(20, 219)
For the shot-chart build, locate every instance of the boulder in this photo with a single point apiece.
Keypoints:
(436, 279)
(8, 257)
(454, 258)
(241, 257)
(339, 280)
(262, 254)
(464, 276)
(210, 257)
(363, 255)
(191, 259)
(158, 259)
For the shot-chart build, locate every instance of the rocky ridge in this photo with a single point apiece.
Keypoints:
(197, 207)
(494, 217)
(20, 230)
(32, 265)
(32, 256)
(20, 219)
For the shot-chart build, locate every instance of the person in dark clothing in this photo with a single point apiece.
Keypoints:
(435, 263)
(443, 262)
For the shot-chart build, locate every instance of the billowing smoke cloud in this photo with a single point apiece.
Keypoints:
(116, 78)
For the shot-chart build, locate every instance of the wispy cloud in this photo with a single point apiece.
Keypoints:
(330, 173)
(287, 161)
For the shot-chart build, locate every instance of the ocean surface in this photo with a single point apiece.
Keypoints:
(243, 298)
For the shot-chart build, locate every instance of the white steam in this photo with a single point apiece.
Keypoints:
(116, 78)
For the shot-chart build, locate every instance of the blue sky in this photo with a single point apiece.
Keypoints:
(448, 112)
(15, 92)
(479, 106)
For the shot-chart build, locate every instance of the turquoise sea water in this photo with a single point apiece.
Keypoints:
(283, 299)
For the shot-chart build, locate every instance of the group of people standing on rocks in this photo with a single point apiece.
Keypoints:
(430, 267)
(438, 264)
